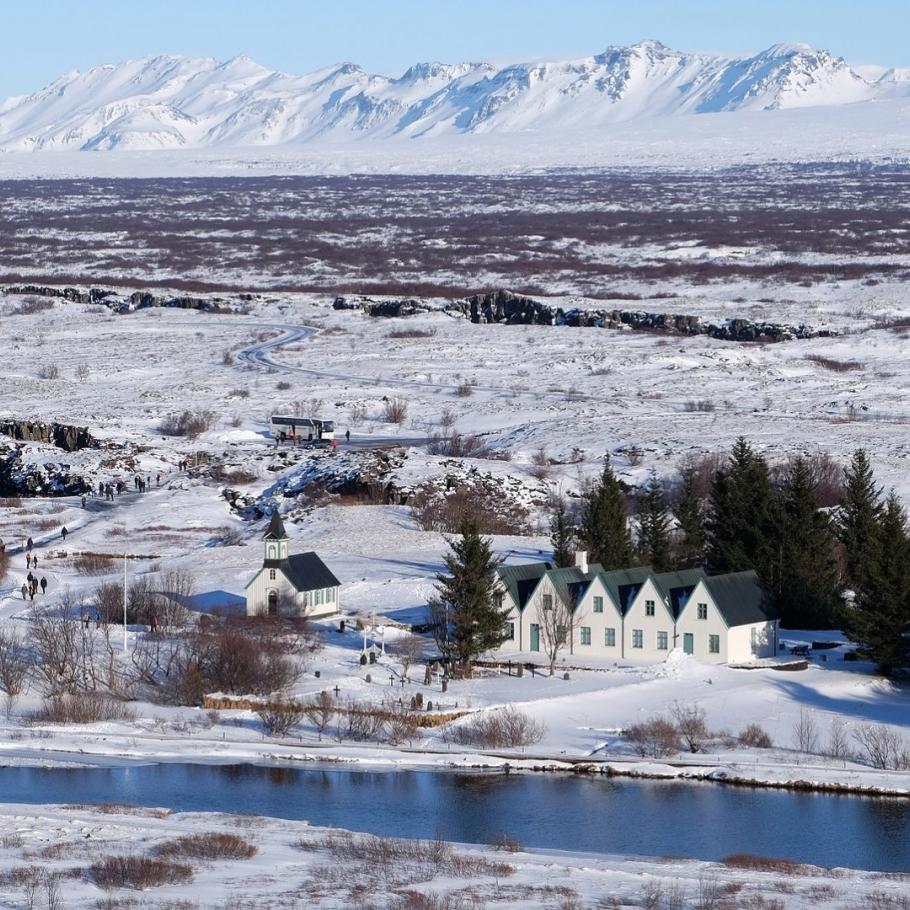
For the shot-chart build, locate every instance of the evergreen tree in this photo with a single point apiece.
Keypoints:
(740, 526)
(467, 611)
(879, 619)
(690, 515)
(859, 519)
(801, 573)
(604, 525)
(562, 536)
(654, 527)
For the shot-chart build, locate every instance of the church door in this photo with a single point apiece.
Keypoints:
(273, 603)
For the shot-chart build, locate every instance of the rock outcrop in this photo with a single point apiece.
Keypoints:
(382, 308)
(61, 435)
(512, 309)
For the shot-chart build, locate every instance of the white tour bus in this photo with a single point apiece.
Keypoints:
(306, 430)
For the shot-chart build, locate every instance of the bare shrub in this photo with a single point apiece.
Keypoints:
(227, 357)
(207, 845)
(540, 464)
(188, 423)
(357, 413)
(434, 511)
(49, 371)
(837, 745)
(395, 410)
(32, 305)
(458, 445)
(765, 864)
(83, 708)
(239, 393)
(754, 737)
(702, 405)
(15, 666)
(400, 725)
(836, 366)
(93, 563)
(506, 843)
(691, 726)
(464, 390)
(279, 718)
(882, 747)
(654, 738)
(138, 872)
(408, 649)
(228, 536)
(283, 385)
(501, 728)
(805, 732)
(320, 712)
(411, 333)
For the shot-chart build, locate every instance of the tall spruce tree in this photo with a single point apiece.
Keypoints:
(604, 525)
(562, 536)
(801, 572)
(740, 524)
(879, 618)
(467, 614)
(859, 519)
(690, 516)
(654, 527)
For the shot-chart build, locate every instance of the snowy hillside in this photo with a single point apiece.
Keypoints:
(173, 102)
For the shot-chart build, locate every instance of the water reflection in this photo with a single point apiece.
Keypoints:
(591, 813)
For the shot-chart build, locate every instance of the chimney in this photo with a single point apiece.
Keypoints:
(581, 560)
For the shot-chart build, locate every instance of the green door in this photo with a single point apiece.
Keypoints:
(688, 643)
(535, 637)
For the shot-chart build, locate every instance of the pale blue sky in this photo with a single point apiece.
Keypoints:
(40, 39)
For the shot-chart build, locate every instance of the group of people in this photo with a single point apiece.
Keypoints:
(106, 490)
(30, 586)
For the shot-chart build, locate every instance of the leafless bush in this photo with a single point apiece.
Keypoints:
(84, 708)
(395, 410)
(702, 405)
(447, 513)
(29, 306)
(498, 729)
(411, 333)
(691, 726)
(882, 747)
(765, 864)
(836, 366)
(654, 738)
(207, 845)
(279, 718)
(837, 745)
(882, 900)
(227, 357)
(93, 563)
(506, 843)
(408, 649)
(755, 737)
(458, 445)
(320, 712)
(228, 536)
(400, 725)
(447, 418)
(805, 732)
(15, 666)
(239, 393)
(540, 464)
(189, 423)
(82, 372)
(357, 413)
(138, 872)
(49, 371)
(464, 390)
(283, 385)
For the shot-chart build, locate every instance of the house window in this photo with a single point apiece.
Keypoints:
(318, 597)
(598, 605)
(561, 634)
(510, 631)
(271, 551)
(548, 601)
(638, 638)
(271, 574)
(702, 611)
(586, 635)
(610, 638)
(662, 641)
(649, 608)
(307, 600)
(714, 644)
(330, 595)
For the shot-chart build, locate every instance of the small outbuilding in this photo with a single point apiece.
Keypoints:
(300, 585)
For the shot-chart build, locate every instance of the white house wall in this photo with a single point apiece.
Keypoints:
(257, 596)
(636, 618)
(701, 630)
(756, 640)
(597, 623)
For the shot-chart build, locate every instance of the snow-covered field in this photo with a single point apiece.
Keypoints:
(296, 865)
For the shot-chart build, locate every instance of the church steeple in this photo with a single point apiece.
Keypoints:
(276, 539)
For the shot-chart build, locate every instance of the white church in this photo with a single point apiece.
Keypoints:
(299, 585)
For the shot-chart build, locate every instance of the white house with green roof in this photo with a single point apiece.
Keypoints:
(637, 615)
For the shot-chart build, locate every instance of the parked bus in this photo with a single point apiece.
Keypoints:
(302, 430)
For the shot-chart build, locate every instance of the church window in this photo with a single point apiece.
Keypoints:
(272, 575)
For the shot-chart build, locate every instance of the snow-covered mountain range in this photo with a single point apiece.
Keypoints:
(174, 102)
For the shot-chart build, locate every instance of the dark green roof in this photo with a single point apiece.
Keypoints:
(305, 571)
(623, 585)
(275, 530)
(520, 581)
(740, 598)
(678, 586)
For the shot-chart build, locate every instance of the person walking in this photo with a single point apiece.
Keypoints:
(24, 590)
(63, 533)
(83, 502)
(34, 562)
(29, 544)
(347, 435)
(28, 560)
(43, 585)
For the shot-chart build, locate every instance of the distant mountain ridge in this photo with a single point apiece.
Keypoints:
(174, 102)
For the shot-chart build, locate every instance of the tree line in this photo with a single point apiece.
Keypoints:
(752, 516)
